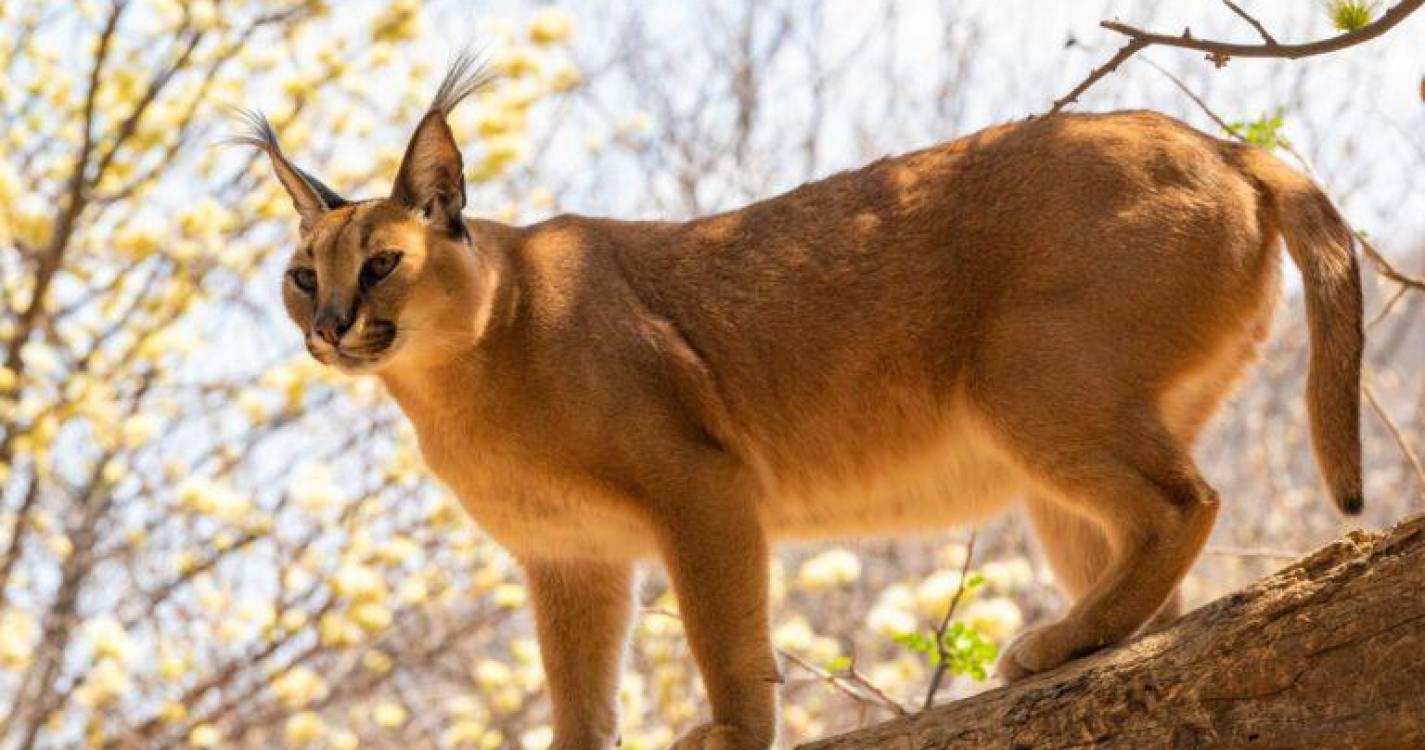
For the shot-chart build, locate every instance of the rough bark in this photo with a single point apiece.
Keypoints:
(1327, 653)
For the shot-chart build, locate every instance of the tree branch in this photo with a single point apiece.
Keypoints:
(1220, 52)
(1326, 653)
(1215, 49)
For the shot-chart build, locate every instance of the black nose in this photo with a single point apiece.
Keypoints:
(331, 325)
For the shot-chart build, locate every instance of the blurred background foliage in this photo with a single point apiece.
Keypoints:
(208, 541)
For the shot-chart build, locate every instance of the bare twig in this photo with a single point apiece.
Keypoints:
(943, 662)
(849, 682)
(1384, 267)
(1386, 22)
(1395, 432)
(1128, 50)
(1387, 307)
(1220, 52)
(1202, 105)
(1244, 15)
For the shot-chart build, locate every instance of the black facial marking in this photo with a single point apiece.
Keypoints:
(381, 334)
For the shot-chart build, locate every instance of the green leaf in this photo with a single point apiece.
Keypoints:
(1351, 15)
(1265, 131)
(967, 650)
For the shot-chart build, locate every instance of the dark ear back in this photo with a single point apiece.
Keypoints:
(432, 176)
(309, 196)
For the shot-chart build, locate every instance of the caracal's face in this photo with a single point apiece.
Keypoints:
(371, 286)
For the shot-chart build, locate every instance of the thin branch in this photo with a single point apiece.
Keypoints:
(1128, 50)
(1223, 50)
(1395, 432)
(1220, 52)
(943, 662)
(850, 683)
(1384, 267)
(1244, 15)
(1387, 307)
(1202, 105)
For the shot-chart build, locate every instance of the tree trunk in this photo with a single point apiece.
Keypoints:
(1327, 653)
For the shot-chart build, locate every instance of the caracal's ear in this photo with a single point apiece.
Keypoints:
(431, 181)
(309, 196)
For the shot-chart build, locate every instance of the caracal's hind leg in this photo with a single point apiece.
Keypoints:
(1078, 551)
(1079, 416)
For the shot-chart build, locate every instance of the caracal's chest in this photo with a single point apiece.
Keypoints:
(529, 508)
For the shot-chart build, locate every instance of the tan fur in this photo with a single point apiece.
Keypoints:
(1051, 308)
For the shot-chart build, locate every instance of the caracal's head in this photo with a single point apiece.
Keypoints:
(376, 283)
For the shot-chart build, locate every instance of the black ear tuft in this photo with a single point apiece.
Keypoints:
(309, 195)
(466, 75)
(431, 179)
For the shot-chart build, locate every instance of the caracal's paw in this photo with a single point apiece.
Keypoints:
(1040, 650)
(721, 737)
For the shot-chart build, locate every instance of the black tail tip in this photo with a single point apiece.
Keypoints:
(1352, 505)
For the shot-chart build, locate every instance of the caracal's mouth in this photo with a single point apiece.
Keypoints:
(378, 343)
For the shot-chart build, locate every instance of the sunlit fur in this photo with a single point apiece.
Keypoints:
(1048, 310)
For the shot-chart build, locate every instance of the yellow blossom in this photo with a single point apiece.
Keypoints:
(565, 77)
(551, 26)
(376, 661)
(795, 635)
(302, 728)
(464, 733)
(18, 633)
(933, 594)
(517, 62)
(103, 685)
(389, 715)
(537, 738)
(172, 712)
(997, 617)
(336, 630)
(398, 549)
(298, 687)
(313, 488)
(108, 639)
(358, 582)
(212, 497)
(413, 590)
(509, 596)
(372, 617)
(491, 674)
(834, 567)
(171, 667)
(205, 736)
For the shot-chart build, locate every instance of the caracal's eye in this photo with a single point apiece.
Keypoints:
(379, 266)
(305, 279)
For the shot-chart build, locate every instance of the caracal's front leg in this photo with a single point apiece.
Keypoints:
(582, 611)
(716, 555)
